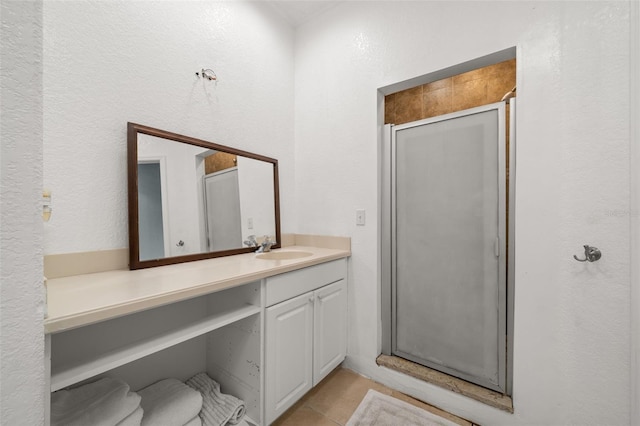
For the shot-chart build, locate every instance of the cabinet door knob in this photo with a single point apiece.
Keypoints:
(311, 298)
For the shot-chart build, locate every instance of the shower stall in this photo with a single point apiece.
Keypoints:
(445, 252)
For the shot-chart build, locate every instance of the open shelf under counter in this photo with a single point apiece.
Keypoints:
(67, 375)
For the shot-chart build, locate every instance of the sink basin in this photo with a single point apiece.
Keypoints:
(283, 255)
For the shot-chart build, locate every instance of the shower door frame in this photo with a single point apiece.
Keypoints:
(507, 249)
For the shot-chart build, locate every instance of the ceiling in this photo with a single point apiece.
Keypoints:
(297, 12)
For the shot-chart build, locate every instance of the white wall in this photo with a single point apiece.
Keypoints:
(106, 63)
(22, 393)
(634, 112)
(572, 320)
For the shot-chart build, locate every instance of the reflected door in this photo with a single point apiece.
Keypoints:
(150, 206)
(448, 258)
(222, 210)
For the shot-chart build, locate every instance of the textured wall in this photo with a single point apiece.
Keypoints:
(571, 363)
(106, 63)
(634, 112)
(21, 288)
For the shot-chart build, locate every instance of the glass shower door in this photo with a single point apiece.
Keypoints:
(448, 244)
(222, 210)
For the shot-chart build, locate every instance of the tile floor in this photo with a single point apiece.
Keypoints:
(335, 399)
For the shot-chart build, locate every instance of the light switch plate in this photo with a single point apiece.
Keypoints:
(360, 217)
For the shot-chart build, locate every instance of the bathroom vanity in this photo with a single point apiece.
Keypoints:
(266, 327)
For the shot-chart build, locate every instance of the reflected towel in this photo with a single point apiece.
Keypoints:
(169, 402)
(103, 402)
(194, 422)
(218, 409)
(134, 418)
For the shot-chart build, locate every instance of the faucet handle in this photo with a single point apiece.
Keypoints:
(251, 241)
(266, 244)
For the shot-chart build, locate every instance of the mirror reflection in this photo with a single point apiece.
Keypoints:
(195, 199)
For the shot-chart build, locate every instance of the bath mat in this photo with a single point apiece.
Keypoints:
(377, 409)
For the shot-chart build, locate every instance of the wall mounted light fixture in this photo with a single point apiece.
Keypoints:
(209, 74)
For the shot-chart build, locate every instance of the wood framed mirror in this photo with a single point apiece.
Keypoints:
(191, 199)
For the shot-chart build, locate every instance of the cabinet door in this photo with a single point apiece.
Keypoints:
(330, 329)
(288, 353)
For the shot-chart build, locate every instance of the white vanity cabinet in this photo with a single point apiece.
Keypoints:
(289, 354)
(266, 330)
(305, 332)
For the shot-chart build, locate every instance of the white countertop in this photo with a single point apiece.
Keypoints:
(84, 299)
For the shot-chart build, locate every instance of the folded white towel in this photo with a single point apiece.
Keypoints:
(169, 402)
(218, 409)
(194, 422)
(103, 402)
(134, 419)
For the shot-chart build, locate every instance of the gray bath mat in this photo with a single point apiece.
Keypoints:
(377, 409)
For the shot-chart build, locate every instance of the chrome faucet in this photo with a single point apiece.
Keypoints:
(251, 241)
(266, 244)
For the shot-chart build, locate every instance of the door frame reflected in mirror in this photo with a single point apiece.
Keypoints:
(133, 131)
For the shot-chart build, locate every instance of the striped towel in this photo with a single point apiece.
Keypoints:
(218, 409)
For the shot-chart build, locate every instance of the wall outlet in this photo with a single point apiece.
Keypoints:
(360, 217)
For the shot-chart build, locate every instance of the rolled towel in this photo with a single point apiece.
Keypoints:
(194, 422)
(169, 402)
(134, 419)
(218, 409)
(105, 402)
